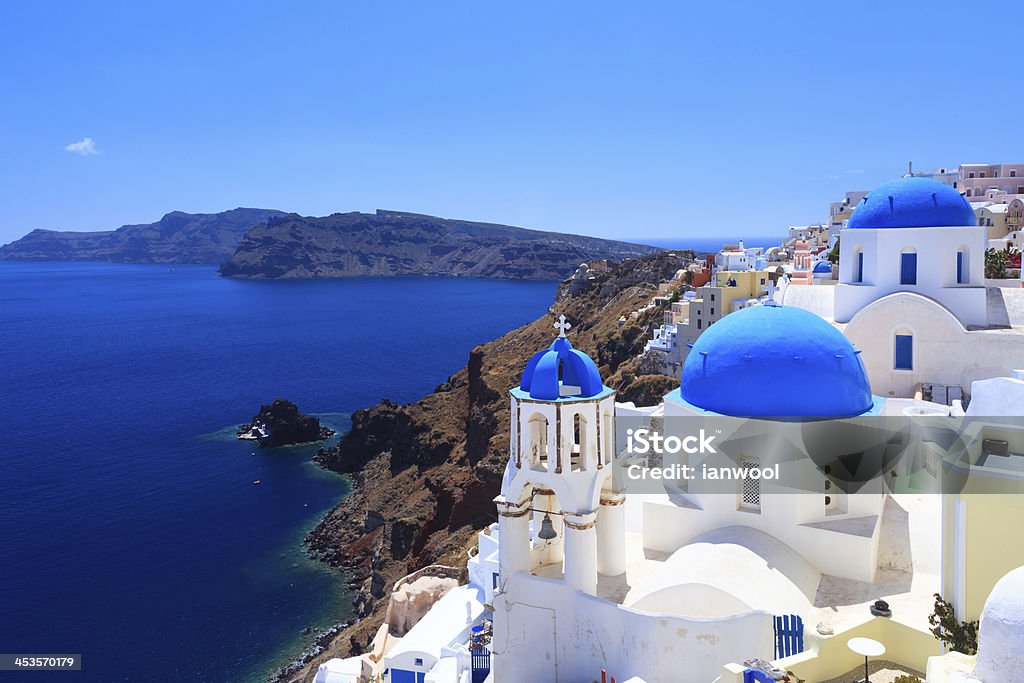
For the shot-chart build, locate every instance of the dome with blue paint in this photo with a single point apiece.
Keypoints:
(775, 362)
(912, 202)
(823, 268)
(561, 371)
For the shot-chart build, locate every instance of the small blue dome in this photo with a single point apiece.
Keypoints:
(775, 361)
(823, 267)
(912, 203)
(550, 373)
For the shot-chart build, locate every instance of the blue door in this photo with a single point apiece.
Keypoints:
(908, 268)
(403, 676)
(481, 664)
(904, 352)
(789, 635)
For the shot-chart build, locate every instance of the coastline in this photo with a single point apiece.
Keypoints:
(424, 473)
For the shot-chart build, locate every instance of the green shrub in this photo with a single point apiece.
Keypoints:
(907, 678)
(959, 636)
(996, 261)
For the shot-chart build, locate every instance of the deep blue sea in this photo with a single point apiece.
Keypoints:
(130, 530)
(707, 244)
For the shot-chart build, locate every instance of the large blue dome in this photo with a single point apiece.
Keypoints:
(775, 361)
(561, 371)
(912, 203)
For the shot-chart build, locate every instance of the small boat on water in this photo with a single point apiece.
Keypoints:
(257, 482)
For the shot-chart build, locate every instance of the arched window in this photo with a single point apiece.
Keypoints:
(537, 446)
(903, 350)
(858, 265)
(963, 265)
(578, 459)
(608, 435)
(908, 266)
(749, 487)
(968, 192)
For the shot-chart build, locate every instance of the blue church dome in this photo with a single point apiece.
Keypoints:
(775, 361)
(823, 267)
(561, 371)
(912, 203)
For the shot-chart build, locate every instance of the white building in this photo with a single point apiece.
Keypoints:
(673, 583)
(912, 296)
(739, 257)
(642, 584)
(436, 648)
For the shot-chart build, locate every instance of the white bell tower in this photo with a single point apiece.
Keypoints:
(559, 472)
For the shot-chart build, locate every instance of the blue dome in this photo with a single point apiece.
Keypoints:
(775, 361)
(912, 203)
(559, 372)
(823, 267)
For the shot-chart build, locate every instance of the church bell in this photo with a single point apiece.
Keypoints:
(547, 529)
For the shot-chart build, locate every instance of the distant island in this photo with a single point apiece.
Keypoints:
(269, 244)
(388, 243)
(281, 424)
(178, 237)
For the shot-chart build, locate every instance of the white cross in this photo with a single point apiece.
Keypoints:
(771, 289)
(562, 326)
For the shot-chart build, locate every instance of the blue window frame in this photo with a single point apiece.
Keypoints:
(960, 267)
(858, 275)
(908, 268)
(904, 352)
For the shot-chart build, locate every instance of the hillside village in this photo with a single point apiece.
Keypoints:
(904, 308)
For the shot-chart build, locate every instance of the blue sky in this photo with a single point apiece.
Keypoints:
(618, 119)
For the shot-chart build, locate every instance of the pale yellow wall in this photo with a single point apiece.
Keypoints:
(828, 657)
(993, 525)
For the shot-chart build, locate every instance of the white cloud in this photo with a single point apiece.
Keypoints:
(86, 147)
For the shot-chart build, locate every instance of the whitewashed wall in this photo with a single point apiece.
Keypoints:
(544, 632)
(936, 269)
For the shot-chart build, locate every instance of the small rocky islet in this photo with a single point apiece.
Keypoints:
(281, 424)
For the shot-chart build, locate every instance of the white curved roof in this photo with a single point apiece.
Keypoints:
(730, 571)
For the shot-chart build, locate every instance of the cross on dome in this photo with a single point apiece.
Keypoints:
(770, 288)
(562, 326)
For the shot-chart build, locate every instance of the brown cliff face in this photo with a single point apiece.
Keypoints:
(389, 243)
(425, 474)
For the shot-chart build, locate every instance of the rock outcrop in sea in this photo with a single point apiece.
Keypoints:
(281, 424)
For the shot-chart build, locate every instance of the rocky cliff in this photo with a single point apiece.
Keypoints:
(178, 237)
(392, 243)
(425, 474)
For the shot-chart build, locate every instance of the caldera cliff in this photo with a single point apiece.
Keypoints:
(389, 243)
(425, 474)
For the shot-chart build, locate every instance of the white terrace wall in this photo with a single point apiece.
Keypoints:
(827, 657)
(564, 636)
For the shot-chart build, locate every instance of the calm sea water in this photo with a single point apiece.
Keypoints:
(130, 530)
(708, 244)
